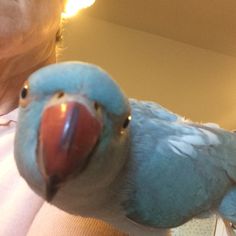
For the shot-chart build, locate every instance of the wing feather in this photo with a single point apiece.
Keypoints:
(180, 169)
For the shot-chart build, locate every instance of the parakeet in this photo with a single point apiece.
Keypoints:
(89, 150)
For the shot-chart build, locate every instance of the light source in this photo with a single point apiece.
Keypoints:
(73, 6)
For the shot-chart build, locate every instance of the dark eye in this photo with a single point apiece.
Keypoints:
(24, 91)
(24, 94)
(126, 122)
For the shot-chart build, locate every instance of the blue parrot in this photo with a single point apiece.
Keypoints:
(86, 148)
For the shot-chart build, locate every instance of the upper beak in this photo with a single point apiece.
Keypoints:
(68, 134)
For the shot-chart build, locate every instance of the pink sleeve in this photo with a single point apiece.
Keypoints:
(18, 204)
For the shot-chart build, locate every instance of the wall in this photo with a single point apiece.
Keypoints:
(196, 83)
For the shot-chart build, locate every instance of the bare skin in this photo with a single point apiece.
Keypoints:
(28, 35)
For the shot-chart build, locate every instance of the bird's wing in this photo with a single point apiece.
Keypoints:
(183, 137)
(180, 169)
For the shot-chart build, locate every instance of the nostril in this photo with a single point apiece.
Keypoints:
(60, 94)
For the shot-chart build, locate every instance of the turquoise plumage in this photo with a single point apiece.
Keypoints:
(144, 175)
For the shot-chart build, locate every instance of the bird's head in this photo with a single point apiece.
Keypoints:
(71, 114)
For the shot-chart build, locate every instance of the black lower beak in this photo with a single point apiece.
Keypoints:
(52, 186)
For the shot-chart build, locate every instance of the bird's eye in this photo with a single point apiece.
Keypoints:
(24, 91)
(126, 122)
(24, 95)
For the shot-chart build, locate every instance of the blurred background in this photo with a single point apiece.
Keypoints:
(181, 54)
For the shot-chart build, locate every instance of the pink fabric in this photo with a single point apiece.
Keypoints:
(18, 204)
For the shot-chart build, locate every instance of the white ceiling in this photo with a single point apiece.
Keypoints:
(209, 24)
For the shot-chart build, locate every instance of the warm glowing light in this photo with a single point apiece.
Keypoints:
(73, 6)
(63, 107)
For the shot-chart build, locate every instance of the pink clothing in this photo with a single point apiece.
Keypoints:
(18, 204)
(22, 212)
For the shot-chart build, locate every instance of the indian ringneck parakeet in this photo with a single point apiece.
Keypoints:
(89, 150)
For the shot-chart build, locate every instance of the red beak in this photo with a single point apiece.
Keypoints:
(67, 136)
